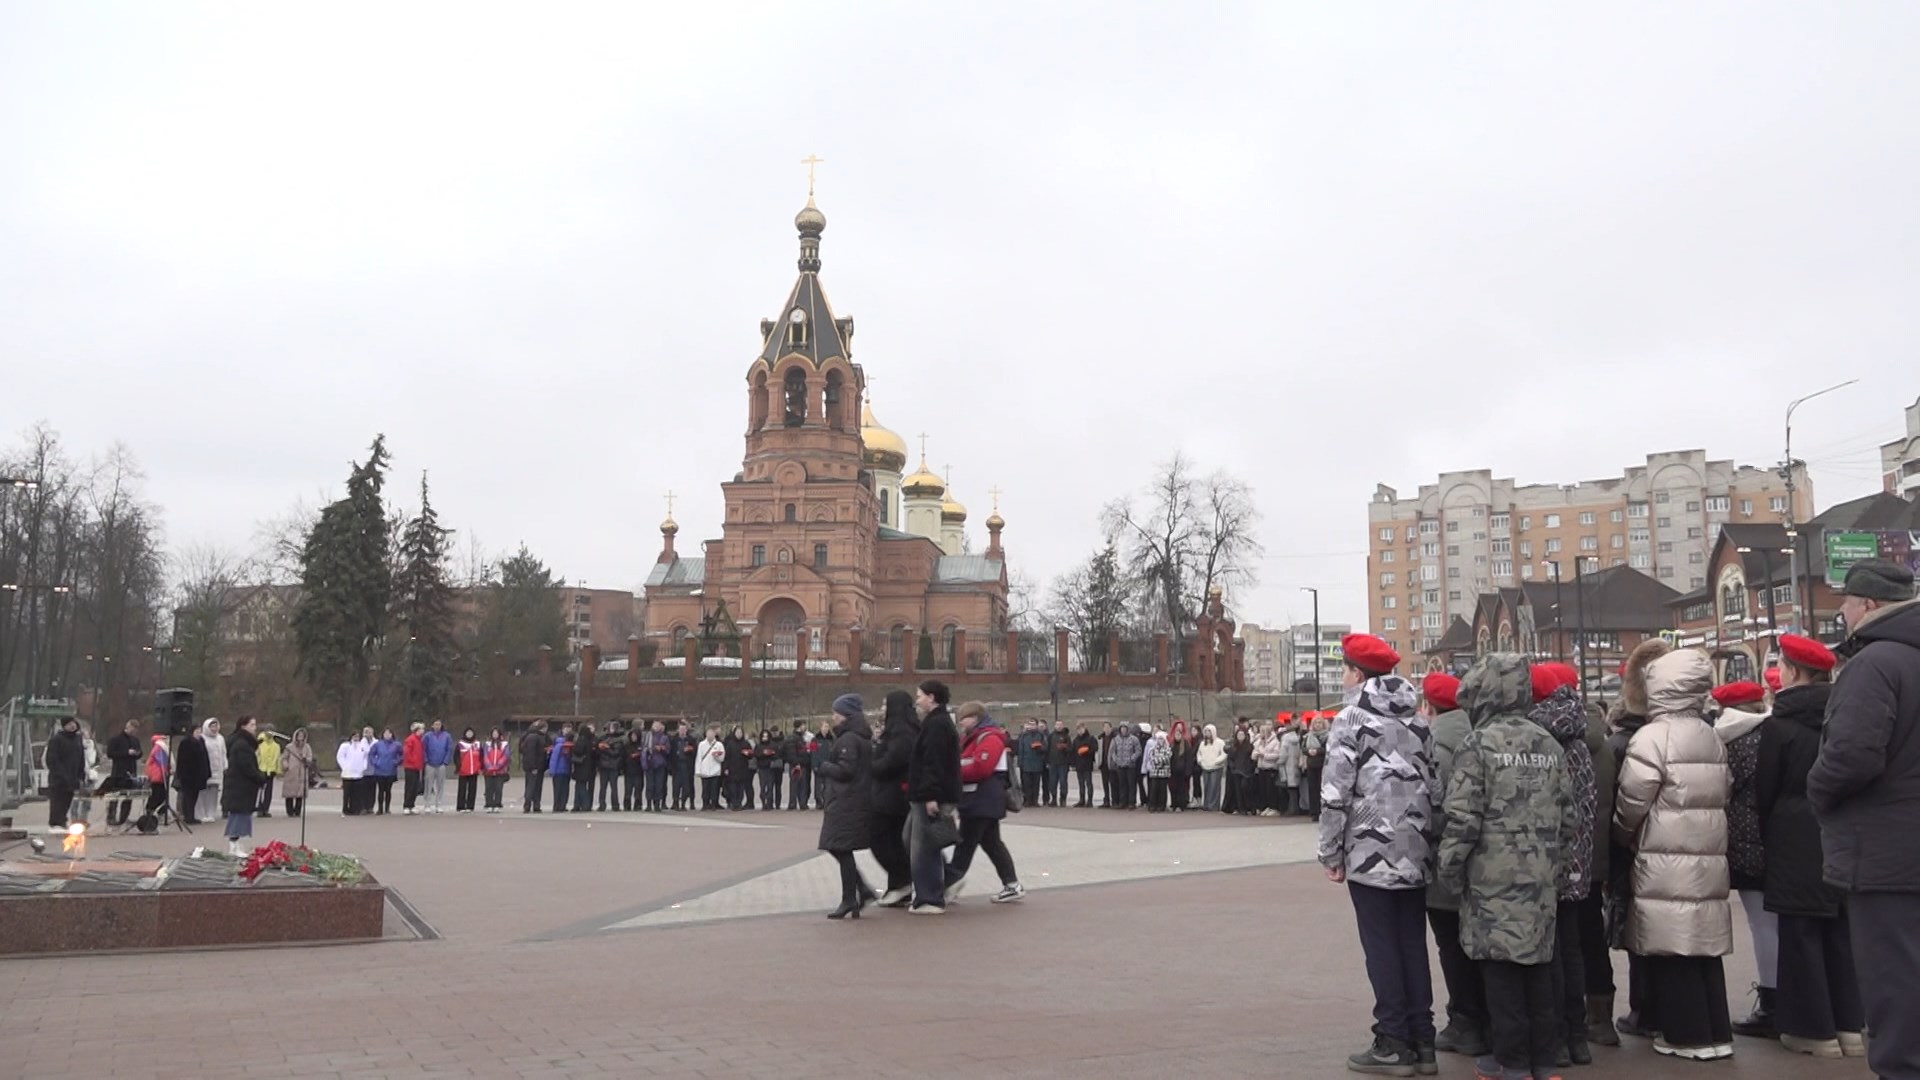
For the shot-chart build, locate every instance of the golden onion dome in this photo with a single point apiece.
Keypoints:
(884, 449)
(923, 482)
(810, 219)
(951, 510)
(996, 521)
(669, 527)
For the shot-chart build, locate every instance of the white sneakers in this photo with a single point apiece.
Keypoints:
(926, 909)
(1717, 1052)
(1853, 1044)
(1008, 895)
(896, 897)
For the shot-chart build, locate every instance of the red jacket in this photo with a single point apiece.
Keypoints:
(981, 753)
(494, 759)
(413, 752)
(468, 756)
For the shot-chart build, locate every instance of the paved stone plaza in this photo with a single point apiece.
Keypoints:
(693, 945)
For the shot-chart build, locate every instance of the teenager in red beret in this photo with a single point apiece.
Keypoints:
(1376, 824)
(1469, 1025)
(1743, 709)
(1817, 1007)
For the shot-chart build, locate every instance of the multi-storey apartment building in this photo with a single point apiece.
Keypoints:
(1431, 556)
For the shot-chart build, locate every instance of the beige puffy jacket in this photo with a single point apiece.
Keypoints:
(1671, 810)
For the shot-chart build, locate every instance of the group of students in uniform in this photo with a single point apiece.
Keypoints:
(1532, 836)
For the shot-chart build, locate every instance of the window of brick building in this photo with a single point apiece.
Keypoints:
(820, 556)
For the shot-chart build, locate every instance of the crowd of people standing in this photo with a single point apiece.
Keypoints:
(1531, 837)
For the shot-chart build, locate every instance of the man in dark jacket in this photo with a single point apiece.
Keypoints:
(797, 758)
(1086, 750)
(1032, 755)
(1106, 766)
(933, 789)
(1059, 757)
(533, 763)
(892, 753)
(66, 770)
(770, 760)
(1865, 791)
(683, 747)
(123, 760)
(610, 760)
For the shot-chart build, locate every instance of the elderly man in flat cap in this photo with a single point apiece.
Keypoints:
(1865, 790)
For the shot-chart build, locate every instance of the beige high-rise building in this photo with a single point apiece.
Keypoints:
(1900, 459)
(1432, 555)
(1266, 657)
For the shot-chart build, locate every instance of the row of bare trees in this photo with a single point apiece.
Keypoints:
(1163, 550)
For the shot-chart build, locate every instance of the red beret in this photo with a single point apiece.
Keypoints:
(1772, 677)
(1442, 689)
(1283, 718)
(1545, 680)
(1806, 652)
(1369, 653)
(1739, 693)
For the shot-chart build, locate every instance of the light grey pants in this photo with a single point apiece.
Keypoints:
(436, 786)
(1765, 926)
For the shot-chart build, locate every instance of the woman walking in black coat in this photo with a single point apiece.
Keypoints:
(1817, 1006)
(892, 752)
(241, 783)
(847, 800)
(191, 775)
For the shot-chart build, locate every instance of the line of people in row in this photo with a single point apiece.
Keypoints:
(1532, 836)
(1267, 768)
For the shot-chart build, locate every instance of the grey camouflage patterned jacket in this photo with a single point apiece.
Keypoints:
(1377, 788)
(1509, 819)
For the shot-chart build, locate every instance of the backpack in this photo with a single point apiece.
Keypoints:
(1016, 800)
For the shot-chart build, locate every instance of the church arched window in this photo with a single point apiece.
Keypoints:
(792, 513)
(897, 643)
(794, 389)
(679, 640)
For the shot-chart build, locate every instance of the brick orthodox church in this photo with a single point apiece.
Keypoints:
(827, 544)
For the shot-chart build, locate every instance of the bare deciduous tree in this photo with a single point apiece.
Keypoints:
(1187, 534)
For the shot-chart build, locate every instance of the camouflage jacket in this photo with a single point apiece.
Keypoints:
(1377, 788)
(1450, 729)
(1509, 818)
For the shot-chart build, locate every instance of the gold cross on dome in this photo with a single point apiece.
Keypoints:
(995, 492)
(923, 448)
(669, 504)
(810, 161)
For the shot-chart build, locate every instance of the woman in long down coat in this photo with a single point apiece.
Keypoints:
(846, 823)
(1671, 811)
(216, 745)
(296, 768)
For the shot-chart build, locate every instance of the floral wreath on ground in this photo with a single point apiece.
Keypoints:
(333, 869)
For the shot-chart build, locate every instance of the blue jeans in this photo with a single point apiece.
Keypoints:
(926, 858)
(1057, 777)
(583, 792)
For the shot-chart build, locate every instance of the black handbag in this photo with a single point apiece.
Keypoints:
(944, 830)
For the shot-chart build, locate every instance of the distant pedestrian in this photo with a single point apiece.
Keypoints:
(267, 753)
(496, 761)
(1210, 757)
(438, 742)
(796, 753)
(1035, 787)
(383, 767)
(123, 762)
(583, 767)
(654, 762)
(685, 750)
(350, 757)
(159, 771)
(846, 796)
(466, 760)
(1241, 769)
(1180, 785)
(1123, 764)
(769, 761)
(190, 774)
(216, 743)
(1288, 796)
(984, 761)
(560, 767)
(737, 769)
(1086, 750)
(1313, 753)
(66, 763)
(1059, 761)
(533, 766)
(1159, 767)
(711, 768)
(413, 761)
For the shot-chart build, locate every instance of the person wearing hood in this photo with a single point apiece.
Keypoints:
(1266, 763)
(1557, 711)
(216, 744)
(685, 751)
(560, 767)
(1671, 811)
(1865, 791)
(1743, 711)
(1123, 762)
(1377, 828)
(1086, 751)
(1210, 757)
(240, 784)
(710, 766)
(892, 751)
(1180, 788)
(1626, 717)
(66, 762)
(1466, 1030)
(1818, 1010)
(1290, 801)
(770, 756)
(983, 803)
(1510, 825)
(1159, 770)
(933, 792)
(1104, 763)
(1240, 772)
(296, 767)
(846, 799)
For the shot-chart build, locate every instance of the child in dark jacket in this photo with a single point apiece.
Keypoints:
(560, 767)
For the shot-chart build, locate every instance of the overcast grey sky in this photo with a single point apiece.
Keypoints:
(1325, 246)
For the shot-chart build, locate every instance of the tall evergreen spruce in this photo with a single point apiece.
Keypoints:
(423, 613)
(345, 584)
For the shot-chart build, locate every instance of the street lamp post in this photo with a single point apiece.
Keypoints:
(1786, 473)
(1559, 632)
(1316, 644)
(1580, 617)
(1773, 614)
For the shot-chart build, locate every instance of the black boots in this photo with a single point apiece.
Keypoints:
(1387, 1056)
(1600, 1020)
(1759, 1025)
(1463, 1039)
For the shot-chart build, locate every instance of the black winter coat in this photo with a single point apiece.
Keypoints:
(1059, 749)
(1789, 745)
(1865, 788)
(533, 751)
(66, 761)
(846, 788)
(891, 754)
(240, 784)
(933, 774)
(194, 769)
(737, 763)
(124, 751)
(1086, 749)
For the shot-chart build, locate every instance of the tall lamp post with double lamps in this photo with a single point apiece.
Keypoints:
(1801, 605)
(1316, 644)
(1773, 614)
(1559, 631)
